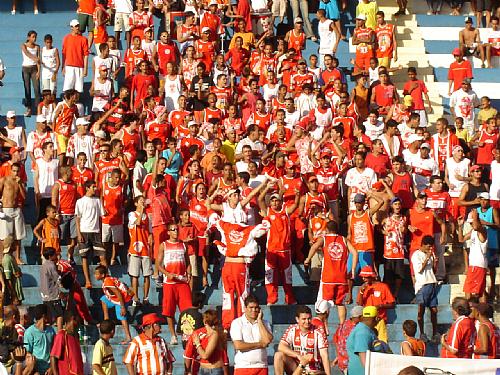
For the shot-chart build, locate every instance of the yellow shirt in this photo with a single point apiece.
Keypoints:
(463, 134)
(248, 40)
(485, 114)
(369, 10)
(103, 355)
(228, 149)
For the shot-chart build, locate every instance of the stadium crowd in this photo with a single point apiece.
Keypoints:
(214, 141)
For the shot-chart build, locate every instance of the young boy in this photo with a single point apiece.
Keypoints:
(47, 231)
(103, 361)
(411, 345)
(139, 250)
(49, 286)
(50, 65)
(188, 235)
(47, 106)
(66, 112)
(117, 295)
(460, 131)
(12, 271)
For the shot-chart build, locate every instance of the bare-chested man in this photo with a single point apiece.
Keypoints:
(13, 193)
(469, 41)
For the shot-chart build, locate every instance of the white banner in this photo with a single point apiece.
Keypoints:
(391, 364)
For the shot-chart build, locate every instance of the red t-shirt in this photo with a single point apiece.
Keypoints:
(416, 94)
(380, 164)
(460, 337)
(66, 348)
(376, 294)
(459, 71)
(74, 49)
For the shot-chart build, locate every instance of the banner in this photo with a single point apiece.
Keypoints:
(391, 364)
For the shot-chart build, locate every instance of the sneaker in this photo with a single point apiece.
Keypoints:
(436, 339)
(13, 12)
(173, 340)
(424, 337)
(136, 303)
(35, 11)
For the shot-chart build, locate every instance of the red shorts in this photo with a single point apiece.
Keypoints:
(495, 51)
(333, 292)
(475, 281)
(202, 246)
(362, 60)
(456, 211)
(160, 234)
(495, 204)
(175, 295)
(250, 371)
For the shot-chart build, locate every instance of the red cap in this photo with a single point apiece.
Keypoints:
(378, 185)
(326, 153)
(289, 164)
(13, 150)
(474, 167)
(152, 318)
(303, 124)
(367, 271)
(456, 52)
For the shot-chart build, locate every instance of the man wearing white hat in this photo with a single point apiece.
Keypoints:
(75, 52)
(81, 141)
(211, 20)
(38, 137)
(15, 133)
(364, 40)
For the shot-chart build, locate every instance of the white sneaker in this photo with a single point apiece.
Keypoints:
(35, 11)
(13, 12)
(173, 340)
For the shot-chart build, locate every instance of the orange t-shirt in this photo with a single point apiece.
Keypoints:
(50, 233)
(86, 7)
(74, 49)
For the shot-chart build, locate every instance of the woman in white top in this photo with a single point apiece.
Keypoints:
(50, 65)
(173, 87)
(31, 70)
(101, 90)
(270, 89)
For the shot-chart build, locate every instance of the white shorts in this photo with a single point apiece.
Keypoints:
(193, 260)
(121, 22)
(112, 233)
(136, 264)
(73, 78)
(12, 224)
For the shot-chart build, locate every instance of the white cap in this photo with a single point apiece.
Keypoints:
(298, 20)
(414, 137)
(205, 29)
(41, 118)
(82, 121)
(213, 2)
(361, 16)
(11, 114)
(100, 134)
(425, 145)
(191, 123)
(74, 23)
(484, 195)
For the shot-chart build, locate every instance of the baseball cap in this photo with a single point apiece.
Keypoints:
(421, 195)
(484, 195)
(359, 198)
(367, 271)
(150, 319)
(233, 191)
(82, 121)
(414, 138)
(298, 20)
(468, 19)
(103, 67)
(457, 148)
(13, 150)
(275, 196)
(395, 199)
(456, 52)
(475, 167)
(192, 123)
(213, 2)
(302, 124)
(11, 114)
(326, 153)
(356, 312)
(467, 81)
(74, 23)
(41, 118)
(408, 100)
(301, 61)
(205, 29)
(289, 164)
(361, 16)
(100, 134)
(425, 145)
(148, 29)
(370, 312)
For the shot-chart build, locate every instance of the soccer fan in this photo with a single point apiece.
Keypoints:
(360, 340)
(458, 342)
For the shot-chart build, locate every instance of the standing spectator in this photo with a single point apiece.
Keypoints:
(342, 333)
(31, 71)
(299, 340)
(39, 337)
(459, 70)
(458, 342)
(191, 319)
(50, 65)
(37, 138)
(113, 202)
(251, 335)
(75, 52)
(45, 176)
(360, 341)
(123, 10)
(88, 211)
(148, 353)
(417, 89)
(369, 9)
(12, 272)
(85, 19)
(103, 361)
(463, 103)
(66, 353)
(485, 346)
(376, 293)
(49, 286)
(424, 262)
(387, 44)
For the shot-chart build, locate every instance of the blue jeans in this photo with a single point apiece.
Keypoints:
(210, 371)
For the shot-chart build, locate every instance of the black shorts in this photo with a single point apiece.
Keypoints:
(91, 241)
(483, 5)
(55, 308)
(394, 269)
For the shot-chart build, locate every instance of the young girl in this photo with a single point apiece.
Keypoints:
(31, 70)
(47, 231)
(50, 65)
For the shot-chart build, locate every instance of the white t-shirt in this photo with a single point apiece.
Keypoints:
(236, 215)
(327, 38)
(410, 157)
(463, 104)
(243, 330)
(89, 210)
(49, 62)
(477, 251)
(359, 182)
(453, 168)
(427, 275)
(423, 169)
(15, 135)
(495, 181)
(47, 176)
(374, 131)
(123, 6)
(255, 145)
(139, 175)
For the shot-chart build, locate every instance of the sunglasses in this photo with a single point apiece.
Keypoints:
(174, 229)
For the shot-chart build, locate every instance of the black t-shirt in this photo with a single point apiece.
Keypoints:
(189, 320)
(200, 105)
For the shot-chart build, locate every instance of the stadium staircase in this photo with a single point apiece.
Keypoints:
(55, 20)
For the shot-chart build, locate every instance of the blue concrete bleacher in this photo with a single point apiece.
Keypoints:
(14, 30)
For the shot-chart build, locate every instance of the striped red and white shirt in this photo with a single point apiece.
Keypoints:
(149, 356)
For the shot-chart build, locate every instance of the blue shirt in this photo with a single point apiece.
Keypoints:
(175, 165)
(39, 343)
(360, 340)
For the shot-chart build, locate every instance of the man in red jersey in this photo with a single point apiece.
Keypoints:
(173, 263)
(303, 76)
(106, 164)
(384, 94)
(443, 142)
(364, 40)
(64, 196)
(81, 174)
(112, 221)
(458, 342)
(75, 52)
(386, 41)
(458, 71)
(278, 263)
(336, 279)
